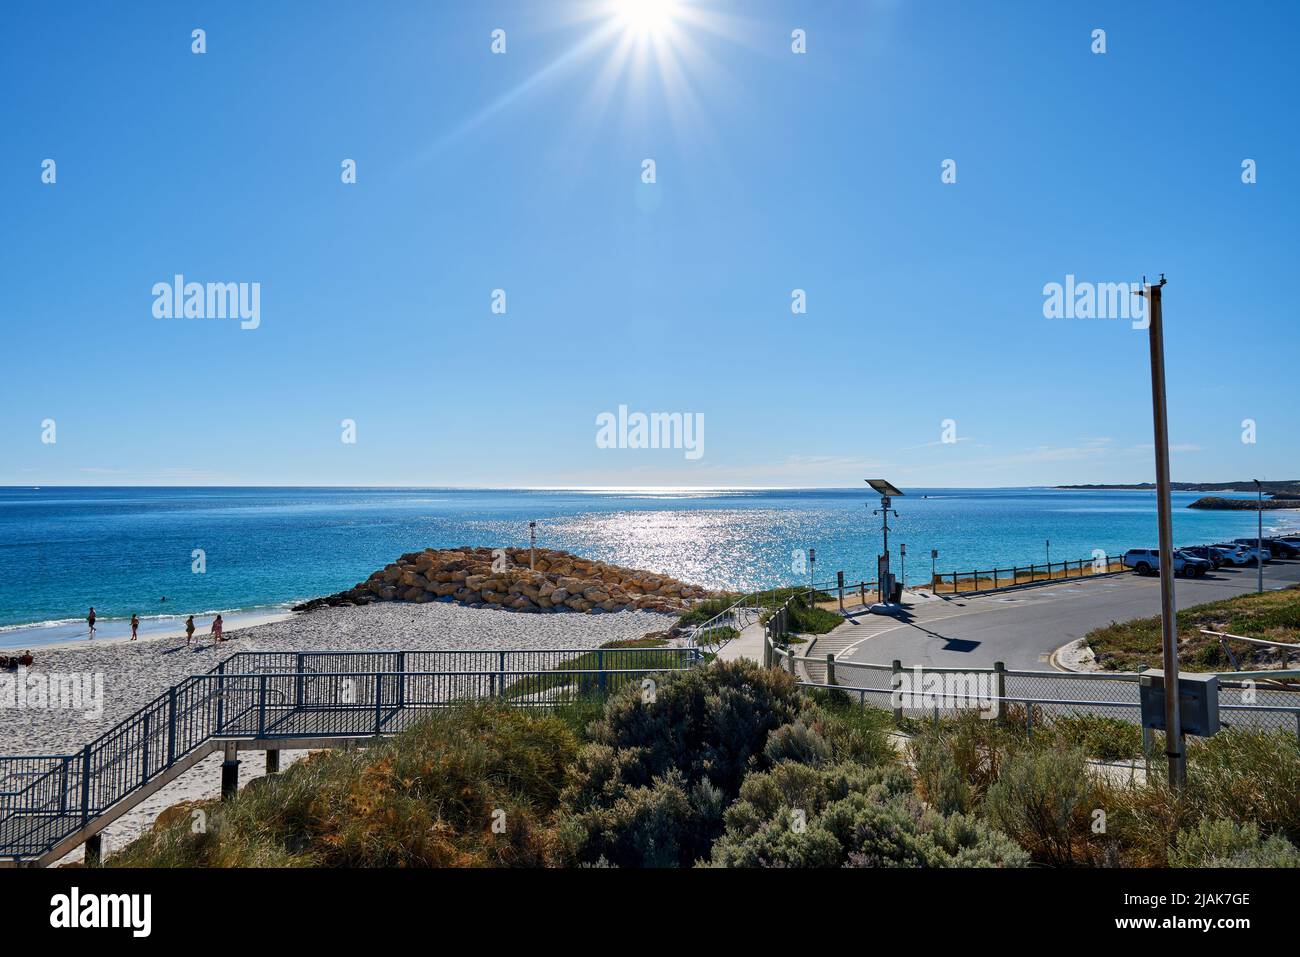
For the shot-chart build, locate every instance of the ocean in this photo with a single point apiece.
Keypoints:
(250, 551)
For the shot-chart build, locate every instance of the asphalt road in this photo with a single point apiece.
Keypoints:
(1024, 626)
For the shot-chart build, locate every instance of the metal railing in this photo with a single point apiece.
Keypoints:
(1048, 693)
(746, 610)
(950, 583)
(283, 696)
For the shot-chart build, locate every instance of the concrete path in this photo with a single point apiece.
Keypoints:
(748, 644)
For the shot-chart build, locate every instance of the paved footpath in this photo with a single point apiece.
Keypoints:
(1022, 627)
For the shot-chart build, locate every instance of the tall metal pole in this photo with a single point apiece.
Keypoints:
(532, 543)
(1259, 544)
(1168, 615)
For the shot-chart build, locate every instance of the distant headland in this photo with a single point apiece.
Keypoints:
(1279, 494)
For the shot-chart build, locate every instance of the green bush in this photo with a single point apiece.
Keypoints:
(680, 755)
(853, 732)
(706, 722)
(428, 797)
(1240, 777)
(1228, 844)
(958, 761)
(796, 742)
(1102, 737)
(660, 825)
(800, 816)
(1045, 799)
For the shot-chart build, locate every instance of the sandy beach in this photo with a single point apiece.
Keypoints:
(136, 672)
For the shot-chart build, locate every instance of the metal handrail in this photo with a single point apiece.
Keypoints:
(81, 786)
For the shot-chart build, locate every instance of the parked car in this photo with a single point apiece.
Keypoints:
(1146, 561)
(1249, 553)
(1253, 544)
(1233, 555)
(1281, 548)
(1215, 556)
(1192, 565)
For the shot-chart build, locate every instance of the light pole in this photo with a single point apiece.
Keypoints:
(1259, 543)
(532, 543)
(1049, 558)
(902, 560)
(934, 553)
(887, 492)
(1168, 619)
(812, 564)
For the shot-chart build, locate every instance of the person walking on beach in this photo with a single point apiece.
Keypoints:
(216, 629)
(90, 619)
(189, 630)
(135, 624)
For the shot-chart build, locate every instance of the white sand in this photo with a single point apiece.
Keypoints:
(136, 672)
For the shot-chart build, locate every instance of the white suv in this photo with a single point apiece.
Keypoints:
(1146, 561)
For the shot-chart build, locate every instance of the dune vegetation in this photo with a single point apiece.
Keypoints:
(733, 766)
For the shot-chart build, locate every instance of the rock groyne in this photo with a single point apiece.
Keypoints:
(501, 578)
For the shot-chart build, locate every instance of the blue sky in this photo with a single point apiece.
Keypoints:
(523, 172)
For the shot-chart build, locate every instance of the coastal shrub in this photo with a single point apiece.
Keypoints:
(810, 620)
(853, 732)
(796, 742)
(679, 753)
(957, 762)
(1244, 778)
(850, 815)
(707, 722)
(664, 824)
(1100, 736)
(1045, 799)
(473, 786)
(702, 611)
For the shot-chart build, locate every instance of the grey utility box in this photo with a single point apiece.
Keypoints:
(1198, 702)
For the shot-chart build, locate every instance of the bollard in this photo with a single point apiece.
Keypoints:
(830, 668)
(230, 772)
(272, 760)
(898, 711)
(94, 850)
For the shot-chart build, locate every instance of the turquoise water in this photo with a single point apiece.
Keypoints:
(65, 549)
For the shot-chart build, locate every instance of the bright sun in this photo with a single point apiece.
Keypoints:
(647, 18)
